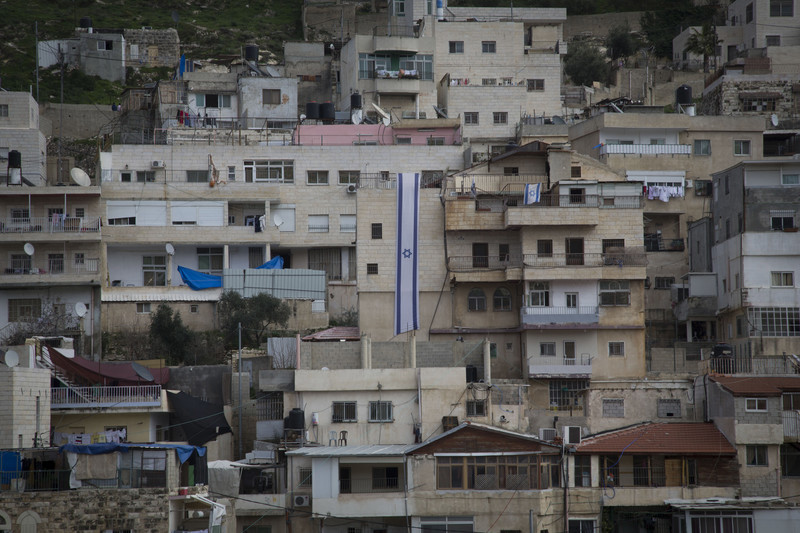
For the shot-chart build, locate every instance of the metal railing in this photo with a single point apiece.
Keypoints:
(393, 31)
(377, 181)
(791, 425)
(468, 263)
(363, 486)
(586, 200)
(50, 225)
(126, 395)
(51, 267)
(634, 259)
(34, 480)
(766, 365)
(491, 183)
(560, 310)
(646, 149)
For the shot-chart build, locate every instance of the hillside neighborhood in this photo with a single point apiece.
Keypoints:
(427, 271)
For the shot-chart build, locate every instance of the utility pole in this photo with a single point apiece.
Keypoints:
(60, 115)
(240, 391)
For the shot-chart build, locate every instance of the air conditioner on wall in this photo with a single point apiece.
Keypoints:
(302, 501)
(352, 188)
(572, 434)
(548, 434)
(157, 164)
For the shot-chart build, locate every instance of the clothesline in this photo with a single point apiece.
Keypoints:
(111, 435)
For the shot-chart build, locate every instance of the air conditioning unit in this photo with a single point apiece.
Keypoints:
(352, 188)
(302, 501)
(157, 164)
(548, 434)
(572, 434)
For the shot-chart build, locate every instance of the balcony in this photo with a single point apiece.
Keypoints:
(495, 184)
(565, 367)
(395, 39)
(370, 485)
(94, 397)
(584, 314)
(34, 480)
(52, 270)
(46, 228)
(654, 243)
(396, 85)
(619, 260)
(646, 149)
(791, 426)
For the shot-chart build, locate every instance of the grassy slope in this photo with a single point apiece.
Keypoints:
(205, 28)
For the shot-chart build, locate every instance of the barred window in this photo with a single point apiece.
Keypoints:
(669, 408)
(664, 283)
(502, 299)
(775, 321)
(616, 292)
(565, 394)
(380, 412)
(616, 349)
(344, 412)
(476, 407)
(304, 476)
(613, 408)
(24, 309)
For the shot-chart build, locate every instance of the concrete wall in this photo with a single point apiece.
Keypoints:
(20, 131)
(76, 121)
(25, 388)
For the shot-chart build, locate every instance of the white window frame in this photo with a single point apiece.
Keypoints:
(317, 177)
(790, 179)
(784, 279)
(143, 308)
(381, 411)
(739, 146)
(454, 47)
(549, 347)
(756, 405)
(151, 265)
(344, 411)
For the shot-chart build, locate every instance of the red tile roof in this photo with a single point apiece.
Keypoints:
(758, 386)
(682, 438)
(338, 333)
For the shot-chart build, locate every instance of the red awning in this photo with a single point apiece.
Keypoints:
(105, 373)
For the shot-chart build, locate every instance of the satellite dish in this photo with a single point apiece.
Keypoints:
(774, 119)
(440, 112)
(277, 220)
(558, 120)
(142, 371)
(80, 177)
(80, 309)
(169, 248)
(11, 358)
(302, 118)
(29, 249)
(387, 119)
(357, 116)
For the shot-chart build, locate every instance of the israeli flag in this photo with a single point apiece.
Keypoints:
(406, 293)
(532, 193)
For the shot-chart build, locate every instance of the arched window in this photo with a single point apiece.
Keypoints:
(502, 299)
(28, 522)
(476, 300)
(5, 523)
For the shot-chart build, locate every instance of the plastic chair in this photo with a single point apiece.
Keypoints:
(332, 437)
(343, 438)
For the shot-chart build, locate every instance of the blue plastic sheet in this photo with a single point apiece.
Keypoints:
(184, 451)
(199, 280)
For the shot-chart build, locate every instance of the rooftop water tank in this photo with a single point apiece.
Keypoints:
(312, 110)
(327, 112)
(683, 95)
(251, 52)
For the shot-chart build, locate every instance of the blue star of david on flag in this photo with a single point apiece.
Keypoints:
(407, 253)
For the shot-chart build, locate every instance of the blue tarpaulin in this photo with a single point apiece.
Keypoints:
(184, 451)
(276, 263)
(199, 280)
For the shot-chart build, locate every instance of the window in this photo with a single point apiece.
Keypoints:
(581, 526)
(3, 110)
(748, 13)
(304, 479)
(125, 177)
(613, 293)
(476, 407)
(123, 221)
(154, 270)
(616, 349)
(544, 248)
(231, 173)
(782, 279)
(773, 40)
(213, 100)
(400, 8)
(669, 408)
(489, 47)
(664, 283)
(781, 219)
(476, 300)
(756, 455)
(790, 459)
(539, 295)
(575, 172)
(571, 299)
(271, 96)
(329, 260)
(535, 85)
(143, 176)
(105, 45)
(781, 8)
(500, 117)
(583, 470)
(510, 171)
(471, 117)
(790, 179)
(197, 176)
(271, 171)
(344, 412)
(565, 394)
(741, 147)
(210, 260)
(317, 177)
(380, 412)
(318, 224)
(612, 243)
(372, 268)
(613, 408)
(702, 147)
(504, 252)
(456, 47)
(755, 405)
(435, 141)
(502, 299)
(377, 230)
(758, 102)
(20, 309)
(348, 177)
(194, 309)
(547, 349)
(489, 82)
(521, 472)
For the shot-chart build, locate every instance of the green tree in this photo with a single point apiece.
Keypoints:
(660, 27)
(703, 43)
(621, 42)
(257, 314)
(585, 64)
(169, 334)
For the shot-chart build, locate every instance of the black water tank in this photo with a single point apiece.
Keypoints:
(14, 159)
(251, 52)
(296, 419)
(683, 95)
(472, 374)
(327, 112)
(86, 22)
(312, 110)
(355, 101)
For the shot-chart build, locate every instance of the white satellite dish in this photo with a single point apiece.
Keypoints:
(774, 119)
(169, 248)
(11, 358)
(357, 116)
(302, 118)
(80, 309)
(387, 119)
(80, 177)
(29, 249)
(277, 220)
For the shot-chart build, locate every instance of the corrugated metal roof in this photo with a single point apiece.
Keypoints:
(147, 294)
(375, 450)
(336, 333)
(758, 386)
(289, 284)
(686, 438)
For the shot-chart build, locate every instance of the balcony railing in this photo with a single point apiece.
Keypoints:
(646, 149)
(377, 181)
(363, 486)
(637, 476)
(634, 259)
(584, 314)
(50, 225)
(585, 200)
(393, 31)
(51, 267)
(791, 425)
(119, 396)
(470, 263)
(34, 480)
